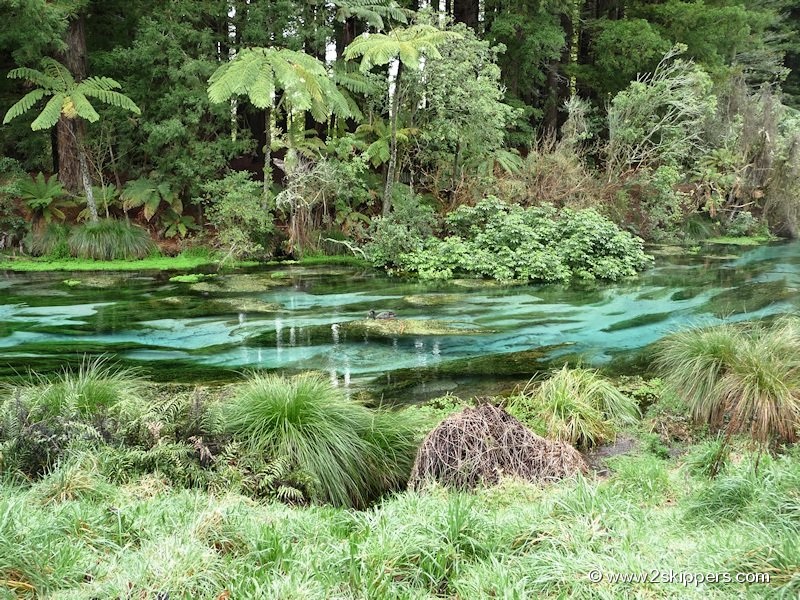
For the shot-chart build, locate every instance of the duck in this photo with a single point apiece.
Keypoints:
(386, 314)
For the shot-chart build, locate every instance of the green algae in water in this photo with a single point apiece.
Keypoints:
(190, 278)
(638, 321)
(749, 298)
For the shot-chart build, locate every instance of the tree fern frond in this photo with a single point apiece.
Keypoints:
(102, 83)
(109, 97)
(23, 105)
(50, 113)
(83, 107)
(35, 77)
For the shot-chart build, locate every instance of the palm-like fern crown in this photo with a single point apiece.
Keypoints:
(258, 72)
(373, 12)
(404, 43)
(69, 98)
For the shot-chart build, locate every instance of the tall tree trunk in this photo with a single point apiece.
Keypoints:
(390, 171)
(267, 152)
(466, 11)
(86, 180)
(68, 131)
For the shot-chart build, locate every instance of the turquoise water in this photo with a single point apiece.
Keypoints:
(295, 318)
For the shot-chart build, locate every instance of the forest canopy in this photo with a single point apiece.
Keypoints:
(296, 127)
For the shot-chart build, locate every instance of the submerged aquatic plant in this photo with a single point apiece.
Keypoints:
(351, 452)
(738, 378)
(577, 406)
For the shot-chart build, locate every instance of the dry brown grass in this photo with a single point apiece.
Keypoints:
(479, 446)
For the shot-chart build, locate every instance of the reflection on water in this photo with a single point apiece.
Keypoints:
(297, 318)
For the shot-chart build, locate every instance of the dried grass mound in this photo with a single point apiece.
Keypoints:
(479, 446)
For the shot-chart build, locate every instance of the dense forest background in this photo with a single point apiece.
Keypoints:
(674, 119)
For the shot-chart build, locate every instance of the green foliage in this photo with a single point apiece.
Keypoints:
(744, 224)
(68, 97)
(258, 72)
(110, 239)
(739, 379)
(45, 197)
(403, 231)
(463, 121)
(509, 242)
(351, 452)
(577, 406)
(679, 94)
(408, 44)
(50, 241)
(236, 209)
(149, 194)
(41, 420)
(622, 49)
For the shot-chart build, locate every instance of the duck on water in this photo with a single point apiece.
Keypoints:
(386, 314)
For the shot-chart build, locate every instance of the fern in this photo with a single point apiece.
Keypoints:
(406, 44)
(149, 194)
(373, 12)
(258, 72)
(69, 98)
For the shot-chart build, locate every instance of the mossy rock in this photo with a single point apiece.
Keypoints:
(392, 327)
(249, 305)
(432, 299)
(98, 280)
(190, 278)
(247, 283)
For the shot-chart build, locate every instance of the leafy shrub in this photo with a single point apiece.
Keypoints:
(744, 224)
(352, 453)
(109, 239)
(508, 242)
(577, 406)
(39, 421)
(401, 232)
(237, 210)
(740, 379)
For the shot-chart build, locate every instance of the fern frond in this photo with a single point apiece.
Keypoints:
(109, 97)
(83, 107)
(36, 78)
(24, 105)
(50, 113)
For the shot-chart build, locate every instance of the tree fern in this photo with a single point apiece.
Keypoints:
(406, 45)
(149, 194)
(69, 99)
(373, 12)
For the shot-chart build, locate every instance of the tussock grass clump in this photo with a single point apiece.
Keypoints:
(739, 378)
(50, 240)
(576, 406)
(351, 452)
(110, 239)
(478, 446)
(40, 420)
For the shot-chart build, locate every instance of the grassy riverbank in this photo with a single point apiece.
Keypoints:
(75, 535)
(181, 262)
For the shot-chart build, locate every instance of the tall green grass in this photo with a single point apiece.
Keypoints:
(109, 239)
(351, 452)
(738, 378)
(577, 406)
(516, 541)
(42, 419)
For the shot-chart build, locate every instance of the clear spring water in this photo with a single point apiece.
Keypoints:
(285, 318)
